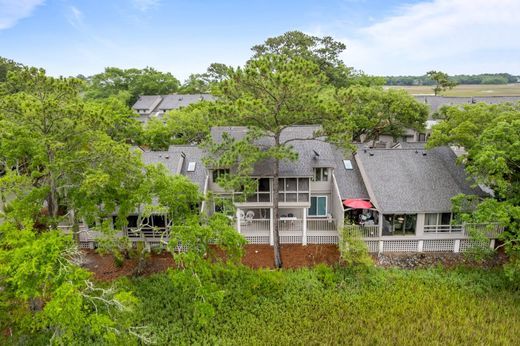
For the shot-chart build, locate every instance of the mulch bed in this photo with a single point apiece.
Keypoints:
(293, 256)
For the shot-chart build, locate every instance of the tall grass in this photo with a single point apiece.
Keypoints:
(331, 306)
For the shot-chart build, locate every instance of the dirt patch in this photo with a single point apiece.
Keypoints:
(104, 267)
(293, 255)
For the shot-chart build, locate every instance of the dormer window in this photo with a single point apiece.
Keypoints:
(321, 174)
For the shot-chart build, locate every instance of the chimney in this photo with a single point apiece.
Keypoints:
(181, 163)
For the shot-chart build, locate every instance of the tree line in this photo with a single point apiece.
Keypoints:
(483, 78)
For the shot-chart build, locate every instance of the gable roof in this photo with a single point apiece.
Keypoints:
(156, 103)
(307, 159)
(171, 159)
(407, 181)
(350, 183)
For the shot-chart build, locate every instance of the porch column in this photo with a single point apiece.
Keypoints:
(419, 226)
(304, 232)
(492, 244)
(380, 223)
(456, 246)
(238, 220)
(271, 227)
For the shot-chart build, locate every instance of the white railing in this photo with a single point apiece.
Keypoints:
(254, 225)
(366, 231)
(155, 233)
(321, 225)
(490, 229)
(290, 225)
(443, 228)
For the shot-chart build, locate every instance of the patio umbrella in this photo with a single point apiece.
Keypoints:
(357, 204)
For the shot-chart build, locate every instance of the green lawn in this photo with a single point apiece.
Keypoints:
(467, 90)
(330, 306)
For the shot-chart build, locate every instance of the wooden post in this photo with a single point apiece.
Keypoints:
(304, 233)
(271, 227)
(238, 220)
(420, 245)
(456, 246)
(492, 244)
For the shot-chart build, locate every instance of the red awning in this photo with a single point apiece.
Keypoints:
(357, 204)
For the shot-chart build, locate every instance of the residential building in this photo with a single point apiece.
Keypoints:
(148, 106)
(399, 199)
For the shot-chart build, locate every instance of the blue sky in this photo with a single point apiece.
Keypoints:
(69, 37)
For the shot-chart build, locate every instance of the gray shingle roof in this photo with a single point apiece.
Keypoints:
(168, 102)
(146, 102)
(307, 159)
(171, 160)
(406, 181)
(175, 101)
(350, 182)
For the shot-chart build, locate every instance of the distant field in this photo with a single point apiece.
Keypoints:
(467, 90)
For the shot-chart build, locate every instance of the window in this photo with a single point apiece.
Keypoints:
(293, 190)
(399, 224)
(422, 137)
(217, 173)
(318, 206)
(191, 166)
(347, 164)
(321, 174)
(440, 222)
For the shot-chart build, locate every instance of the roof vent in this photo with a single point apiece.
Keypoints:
(191, 166)
(371, 153)
(180, 98)
(347, 164)
(166, 157)
(316, 153)
(424, 153)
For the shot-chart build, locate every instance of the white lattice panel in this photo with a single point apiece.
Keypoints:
(373, 246)
(257, 239)
(469, 243)
(438, 245)
(400, 246)
(86, 245)
(322, 239)
(291, 239)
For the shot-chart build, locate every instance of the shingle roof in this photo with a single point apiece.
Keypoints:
(350, 182)
(406, 181)
(146, 102)
(171, 160)
(167, 102)
(175, 101)
(307, 158)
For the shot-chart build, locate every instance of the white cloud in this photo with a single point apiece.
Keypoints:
(145, 5)
(11, 11)
(75, 17)
(457, 36)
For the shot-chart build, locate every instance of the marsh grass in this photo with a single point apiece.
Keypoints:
(322, 305)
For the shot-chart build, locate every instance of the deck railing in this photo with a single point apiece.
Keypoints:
(290, 225)
(254, 225)
(366, 231)
(321, 225)
(443, 228)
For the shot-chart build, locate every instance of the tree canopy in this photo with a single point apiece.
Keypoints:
(128, 84)
(490, 135)
(442, 81)
(323, 51)
(373, 111)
